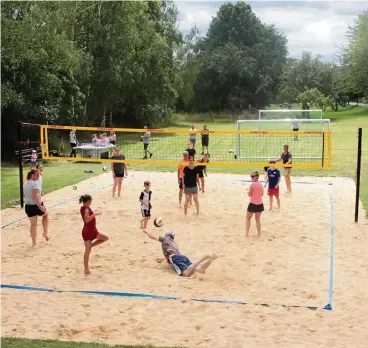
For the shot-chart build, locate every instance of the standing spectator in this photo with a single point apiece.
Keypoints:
(118, 170)
(112, 137)
(34, 158)
(146, 141)
(73, 142)
(193, 136)
(256, 204)
(205, 139)
(34, 206)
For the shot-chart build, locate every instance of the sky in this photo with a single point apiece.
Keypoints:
(316, 26)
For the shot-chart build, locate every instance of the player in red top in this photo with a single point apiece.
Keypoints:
(89, 232)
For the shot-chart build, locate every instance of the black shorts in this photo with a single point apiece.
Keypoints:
(112, 142)
(181, 184)
(118, 175)
(296, 130)
(205, 142)
(145, 146)
(145, 212)
(33, 210)
(255, 208)
(200, 174)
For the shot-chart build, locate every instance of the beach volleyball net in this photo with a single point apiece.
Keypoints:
(313, 149)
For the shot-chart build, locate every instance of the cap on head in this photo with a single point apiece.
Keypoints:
(170, 235)
(145, 127)
(34, 151)
(185, 153)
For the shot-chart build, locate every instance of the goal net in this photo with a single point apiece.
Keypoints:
(284, 124)
(281, 114)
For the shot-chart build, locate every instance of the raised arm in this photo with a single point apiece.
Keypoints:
(151, 235)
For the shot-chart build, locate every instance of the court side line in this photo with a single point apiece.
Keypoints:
(55, 205)
(151, 296)
(332, 237)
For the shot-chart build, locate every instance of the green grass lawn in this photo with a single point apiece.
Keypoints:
(344, 126)
(27, 343)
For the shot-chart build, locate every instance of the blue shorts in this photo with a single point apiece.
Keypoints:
(180, 263)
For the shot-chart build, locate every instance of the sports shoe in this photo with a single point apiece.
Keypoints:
(151, 154)
(145, 157)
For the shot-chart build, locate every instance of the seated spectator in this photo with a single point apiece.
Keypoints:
(94, 139)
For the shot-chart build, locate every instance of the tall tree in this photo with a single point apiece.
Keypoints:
(240, 61)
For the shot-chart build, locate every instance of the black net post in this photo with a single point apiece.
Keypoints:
(358, 170)
(20, 163)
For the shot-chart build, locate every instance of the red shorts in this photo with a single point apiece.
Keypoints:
(273, 192)
(88, 234)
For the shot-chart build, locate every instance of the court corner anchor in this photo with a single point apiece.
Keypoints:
(328, 307)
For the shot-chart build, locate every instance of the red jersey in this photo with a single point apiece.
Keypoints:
(89, 231)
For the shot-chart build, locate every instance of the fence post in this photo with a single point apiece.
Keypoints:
(20, 163)
(358, 170)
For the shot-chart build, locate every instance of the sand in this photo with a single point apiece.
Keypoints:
(289, 264)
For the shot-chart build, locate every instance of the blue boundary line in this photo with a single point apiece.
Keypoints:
(55, 205)
(151, 296)
(332, 237)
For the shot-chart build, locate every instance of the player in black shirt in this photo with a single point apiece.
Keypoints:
(205, 139)
(190, 185)
(202, 170)
(286, 158)
(191, 151)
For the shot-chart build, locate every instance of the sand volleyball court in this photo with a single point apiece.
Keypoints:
(289, 265)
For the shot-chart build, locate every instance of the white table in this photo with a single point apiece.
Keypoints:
(92, 151)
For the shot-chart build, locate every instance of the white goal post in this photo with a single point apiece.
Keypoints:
(286, 124)
(286, 113)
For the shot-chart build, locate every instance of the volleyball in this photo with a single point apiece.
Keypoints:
(231, 151)
(158, 222)
(104, 168)
(74, 187)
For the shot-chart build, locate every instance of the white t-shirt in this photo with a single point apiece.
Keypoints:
(147, 138)
(73, 138)
(28, 188)
(145, 197)
(193, 136)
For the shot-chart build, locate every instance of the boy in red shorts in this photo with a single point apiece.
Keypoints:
(273, 180)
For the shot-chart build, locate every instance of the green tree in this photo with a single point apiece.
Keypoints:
(240, 61)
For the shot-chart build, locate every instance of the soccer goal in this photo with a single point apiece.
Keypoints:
(289, 114)
(286, 124)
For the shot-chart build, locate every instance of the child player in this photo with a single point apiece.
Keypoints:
(145, 199)
(91, 236)
(273, 180)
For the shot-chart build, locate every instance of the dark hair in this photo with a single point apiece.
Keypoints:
(207, 154)
(85, 198)
(38, 165)
(147, 182)
(255, 174)
(31, 172)
(287, 146)
(272, 162)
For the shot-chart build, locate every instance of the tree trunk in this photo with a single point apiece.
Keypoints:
(110, 119)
